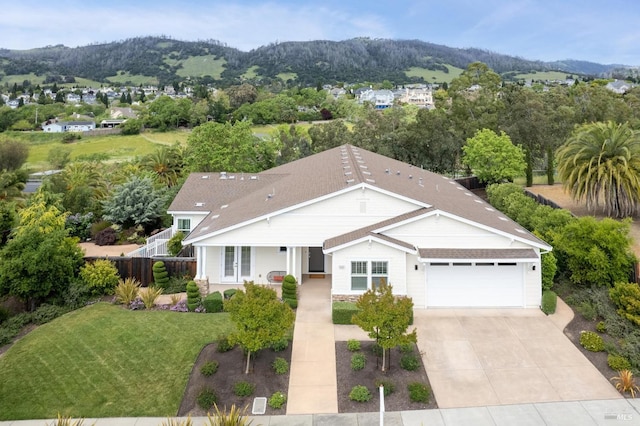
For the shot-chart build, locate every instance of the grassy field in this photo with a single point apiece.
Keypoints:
(250, 73)
(284, 76)
(431, 76)
(105, 361)
(548, 75)
(202, 65)
(135, 79)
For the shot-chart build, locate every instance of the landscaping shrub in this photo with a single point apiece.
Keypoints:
(289, 288)
(626, 297)
(75, 295)
(4, 314)
(137, 304)
(106, 237)
(618, 363)
(591, 341)
(549, 266)
(409, 362)
(419, 392)
(174, 245)
(625, 382)
(353, 345)
(293, 303)
(587, 310)
(388, 385)
(177, 284)
(160, 275)
(99, 226)
(209, 368)
(280, 345)
(277, 400)
(193, 296)
(224, 344)
(360, 393)
(100, 276)
(46, 313)
(228, 293)
(406, 348)
(549, 302)
(341, 312)
(206, 398)
(127, 290)
(280, 366)
(213, 302)
(149, 295)
(601, 327)
(243, 388)
(358, 361)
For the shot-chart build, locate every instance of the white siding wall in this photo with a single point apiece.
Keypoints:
(416, 283)
(311, 225)
(532, 285)
(341, 262)
(268, 259)
(194, 218)
(444, 232)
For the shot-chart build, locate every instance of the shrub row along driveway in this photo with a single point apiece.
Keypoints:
(494, 357)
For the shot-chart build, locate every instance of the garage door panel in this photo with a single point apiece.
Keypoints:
(475, 286)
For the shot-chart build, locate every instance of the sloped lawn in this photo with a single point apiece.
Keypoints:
(105, 361)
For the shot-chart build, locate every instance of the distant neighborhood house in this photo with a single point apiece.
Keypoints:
(68, 126)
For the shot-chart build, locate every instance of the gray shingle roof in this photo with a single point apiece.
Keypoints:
(442, 253)
(247, 197)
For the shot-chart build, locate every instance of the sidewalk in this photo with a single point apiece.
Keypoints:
(624, 412)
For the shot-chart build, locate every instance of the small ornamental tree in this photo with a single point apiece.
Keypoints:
(135, 202)
(193, 296)
(492, 157)
(261, 319)
(160, 275)
(386, 318)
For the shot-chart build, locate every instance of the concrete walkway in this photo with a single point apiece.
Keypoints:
(624, 412)
(313, 387)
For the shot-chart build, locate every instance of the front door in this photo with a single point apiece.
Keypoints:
(236, 264)
(316, 259)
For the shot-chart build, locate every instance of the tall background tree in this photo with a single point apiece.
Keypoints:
(600, 165)
(493, 158)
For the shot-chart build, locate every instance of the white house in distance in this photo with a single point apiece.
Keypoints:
(357, 217)
(68, 126)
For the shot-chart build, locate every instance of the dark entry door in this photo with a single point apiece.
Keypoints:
(316, 259)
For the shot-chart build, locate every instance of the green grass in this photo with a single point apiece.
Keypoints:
(548, 75)
(105, 361)
(134, 79)
(19, 78)
(199, 66)
(250, 73)
(431, 76)
(284, 76)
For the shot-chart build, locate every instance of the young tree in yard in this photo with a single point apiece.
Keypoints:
(135, 202)
(261, 319)
(493, 158)
(385, 317)
(40, 259)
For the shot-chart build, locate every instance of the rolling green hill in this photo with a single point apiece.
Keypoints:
(162, 60)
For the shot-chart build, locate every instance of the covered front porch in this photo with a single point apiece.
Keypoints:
(233, 265)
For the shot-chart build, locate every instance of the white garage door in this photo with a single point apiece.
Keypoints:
(475, 285)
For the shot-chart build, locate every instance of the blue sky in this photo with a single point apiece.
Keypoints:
(604, 32)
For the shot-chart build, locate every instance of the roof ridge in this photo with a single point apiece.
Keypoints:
(354, 159)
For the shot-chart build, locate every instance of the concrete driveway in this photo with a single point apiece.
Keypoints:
(479, 357)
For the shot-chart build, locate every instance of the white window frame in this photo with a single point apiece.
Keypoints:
(178, 223)
(369, 273)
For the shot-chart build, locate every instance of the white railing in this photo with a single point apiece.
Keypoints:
(156, 245)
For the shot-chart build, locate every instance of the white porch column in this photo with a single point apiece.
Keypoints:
(295, 268)
(198, 263)
(203, 270)
(288, 259)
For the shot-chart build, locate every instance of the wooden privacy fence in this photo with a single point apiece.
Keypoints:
(141, 268)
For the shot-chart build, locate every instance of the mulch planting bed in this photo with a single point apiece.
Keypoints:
(231, 371)
(397, 401)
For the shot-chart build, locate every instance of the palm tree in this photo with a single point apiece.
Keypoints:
(600, 164)
(166, 164)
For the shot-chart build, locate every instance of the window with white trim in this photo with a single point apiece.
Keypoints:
(184, 225)
(359, 276)
(368, 274)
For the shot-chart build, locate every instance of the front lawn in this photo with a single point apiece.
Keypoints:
(105, 361)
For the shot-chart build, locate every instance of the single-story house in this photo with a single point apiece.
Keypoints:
(356, 218)
(68, 126)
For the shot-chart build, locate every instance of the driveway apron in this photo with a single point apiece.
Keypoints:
(479, 357)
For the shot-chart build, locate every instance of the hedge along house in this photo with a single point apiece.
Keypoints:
(356, 217)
